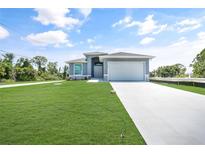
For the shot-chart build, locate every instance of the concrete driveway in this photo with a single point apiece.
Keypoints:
(164, 115)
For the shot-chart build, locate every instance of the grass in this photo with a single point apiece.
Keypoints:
(74, 112)
(198, 90)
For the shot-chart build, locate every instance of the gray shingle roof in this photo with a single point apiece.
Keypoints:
(94, 53)
(81, 60)
(103, 55)
(125, 55)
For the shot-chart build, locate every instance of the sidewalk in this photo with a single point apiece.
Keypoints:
(28, 84)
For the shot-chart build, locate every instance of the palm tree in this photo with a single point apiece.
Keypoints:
(9, 57)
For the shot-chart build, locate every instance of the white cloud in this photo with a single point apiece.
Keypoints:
(95, 47)
(201, 35)
(3, 33)
(123, 22)
(90, 41)
(55, 38)
(85, 12)
(161, 28)
(147, 40)
(149, 26)
(188, 25)
(57, 17)
(180, 42)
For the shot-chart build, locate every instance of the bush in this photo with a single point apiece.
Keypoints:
(25, 74)
(47, 76)
(8, 81)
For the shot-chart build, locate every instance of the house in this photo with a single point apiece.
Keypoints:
(120, 66)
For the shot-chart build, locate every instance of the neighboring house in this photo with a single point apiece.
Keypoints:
(120, 66)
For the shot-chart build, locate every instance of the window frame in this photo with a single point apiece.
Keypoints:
(81, 73)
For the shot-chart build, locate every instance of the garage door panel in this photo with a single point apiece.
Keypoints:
(126, 70)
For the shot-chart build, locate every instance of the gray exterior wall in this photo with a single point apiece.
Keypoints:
(71, 69)
(89, 65)
(84, 69)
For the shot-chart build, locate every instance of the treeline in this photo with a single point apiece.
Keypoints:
(178, 70)
(24, 69)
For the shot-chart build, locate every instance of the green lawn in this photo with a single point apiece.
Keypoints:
(198, 90)
(75, 112)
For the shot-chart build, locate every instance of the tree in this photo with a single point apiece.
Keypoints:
(2, 69)
(40, 62)
(52, 68)
(198, 65)
(65, 71)
(24, 71)
(177, 70)
(23, 62)
(9, 57)
(7, 63)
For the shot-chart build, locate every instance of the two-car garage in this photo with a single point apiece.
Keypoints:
(123, 66)
(126, 70)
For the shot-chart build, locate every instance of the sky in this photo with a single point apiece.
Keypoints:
(171, 35)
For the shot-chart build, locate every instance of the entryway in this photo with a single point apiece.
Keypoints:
(98, 70)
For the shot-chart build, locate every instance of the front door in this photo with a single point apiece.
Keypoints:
(98, 71)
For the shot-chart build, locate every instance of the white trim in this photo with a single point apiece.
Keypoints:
(81, 73)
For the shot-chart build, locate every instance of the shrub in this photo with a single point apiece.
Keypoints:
(25, 74)
(47, 76)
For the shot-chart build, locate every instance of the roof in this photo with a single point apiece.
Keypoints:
(94, 53)
(81, 60)
(125, 55)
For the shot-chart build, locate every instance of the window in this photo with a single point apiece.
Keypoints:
(78, 69)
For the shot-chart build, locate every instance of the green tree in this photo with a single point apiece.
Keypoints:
(52, 68)
(24, 70)
(65, 71)
(198, 64)
(23, 62)
(8, 57)
(2, 69)
(25, 73)
(177, 70)
(8, 66)
(40, 62)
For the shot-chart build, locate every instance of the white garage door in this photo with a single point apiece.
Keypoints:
(126, 71)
